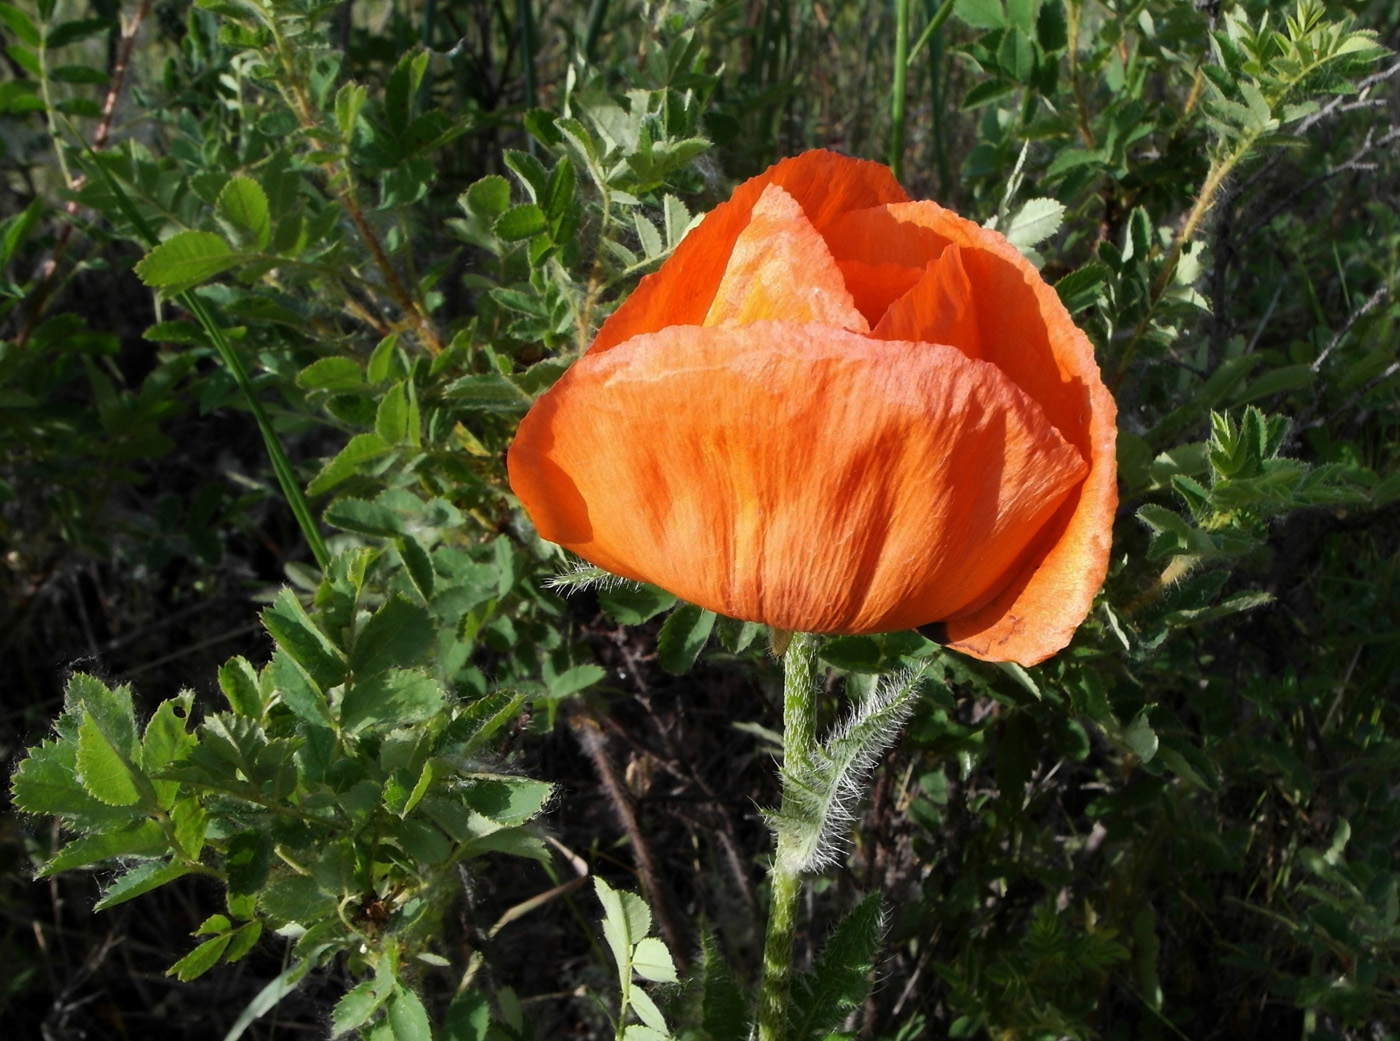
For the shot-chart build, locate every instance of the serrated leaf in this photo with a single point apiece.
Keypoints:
(408, 1019)
(571, 681)
(185, 260)
(683, 637)
(488, 197)
(335, 373)
(166, 741)
(47, 782)
(615, 927)
(1034, 222)
(106, 774)
(200, 960)
(243, 204)
(520, 222)
(143, 838)
(303, 642)
(391, 699)
(239, 683)
(362, 449)
(642, 1032)
(1079, 289)
(297, 690)
(140, 880)
(398, 635)
(356, 1007)
(647, 1010)
(652, 961)
(365, 518)
(647, 234)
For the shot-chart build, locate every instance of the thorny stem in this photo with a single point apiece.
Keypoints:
(799, 740)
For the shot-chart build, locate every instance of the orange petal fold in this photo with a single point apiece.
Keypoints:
(1029, 336)
(807, 477)
(825, 185)
(781, 270)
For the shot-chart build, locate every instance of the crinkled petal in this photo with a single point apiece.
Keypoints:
(940, 308)
(874, 287)
(825, 184)
(1029, 336)
(781, 270)
(797, 475)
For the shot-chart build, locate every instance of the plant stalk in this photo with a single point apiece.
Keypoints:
(799, 742)
(897, 89)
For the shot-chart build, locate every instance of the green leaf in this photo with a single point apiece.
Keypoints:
(571, 681)
(243, 204)
(138, 881)
(80, 29)
(336, 373)
(1034, 222)
(418, 565)
(617, 925)
(356, 1007)
(841, 978)
(521, 222)
(398, 635)
(166, 741)
(247, 861)
(652, 961)
(366, 518)
(683, 637)
(240, 685)
(408, 1019)
(391, 699)
(47, 782)
(298, 690)
(632, 605)
(723, 1006)
(1080, 289)
(489, 197)
(349, 102)
(362, 449)
(142, 838)
(981, 14)
(185, 260)
(299, 636)
(106, 774)
(468, 1017)
(20, 24)
(647, 1010)
(200, 960)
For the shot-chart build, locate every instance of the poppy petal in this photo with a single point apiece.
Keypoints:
(874, 287)
(781, 270)
(1027, 334)
(825, 184)
(938, 309)
(795, 474)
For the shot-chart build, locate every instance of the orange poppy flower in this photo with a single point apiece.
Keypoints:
(835, 410)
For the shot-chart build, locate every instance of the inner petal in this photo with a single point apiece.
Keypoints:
(939, 308)
(781, 270)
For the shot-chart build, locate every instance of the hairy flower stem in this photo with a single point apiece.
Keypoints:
(799, 742)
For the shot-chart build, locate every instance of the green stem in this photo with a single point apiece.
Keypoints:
(799, 742)
(897, 90)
